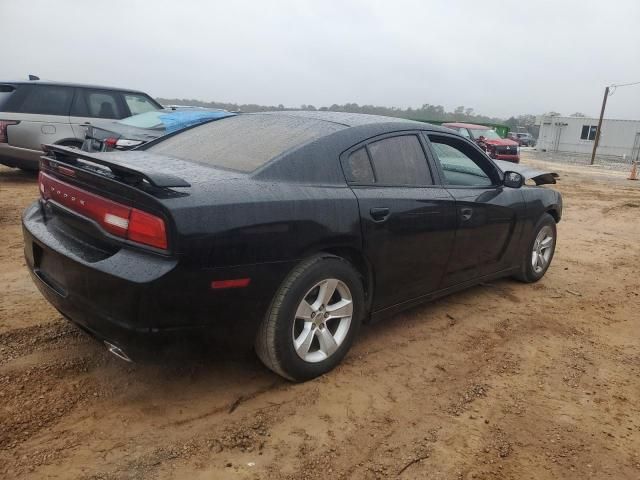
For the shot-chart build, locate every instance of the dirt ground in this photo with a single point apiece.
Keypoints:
(505, 380)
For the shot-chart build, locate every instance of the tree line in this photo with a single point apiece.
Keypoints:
(426, 112)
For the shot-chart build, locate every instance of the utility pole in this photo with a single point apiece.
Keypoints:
(597, 139)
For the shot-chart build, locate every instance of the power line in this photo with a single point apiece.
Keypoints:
(614, 86)
(624, 84)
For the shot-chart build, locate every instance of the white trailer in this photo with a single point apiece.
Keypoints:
(619, 138)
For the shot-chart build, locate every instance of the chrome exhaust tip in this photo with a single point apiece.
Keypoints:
(117, 351)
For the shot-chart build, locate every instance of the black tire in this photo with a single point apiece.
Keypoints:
(527, 272)
(274, 342)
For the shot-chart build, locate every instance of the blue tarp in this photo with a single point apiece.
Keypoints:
(182, 119)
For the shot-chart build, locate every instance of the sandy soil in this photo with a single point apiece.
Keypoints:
(505, 380)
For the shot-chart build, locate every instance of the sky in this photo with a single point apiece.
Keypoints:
(501, 58)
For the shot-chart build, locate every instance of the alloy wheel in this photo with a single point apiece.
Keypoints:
(542, 249)
(322, 320)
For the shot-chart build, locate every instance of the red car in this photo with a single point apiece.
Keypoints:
(495, 146)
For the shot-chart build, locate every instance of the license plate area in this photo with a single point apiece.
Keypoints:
(49, 269)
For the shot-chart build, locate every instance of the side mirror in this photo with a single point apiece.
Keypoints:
(513, 180)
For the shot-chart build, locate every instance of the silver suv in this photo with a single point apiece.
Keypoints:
(35, 113)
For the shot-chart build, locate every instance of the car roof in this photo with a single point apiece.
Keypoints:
(465, 125)
(69, 84)
(354, 119)
(296, 147)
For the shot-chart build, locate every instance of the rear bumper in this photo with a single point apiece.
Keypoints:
(133, 295)
(103, 297)
(19, 157)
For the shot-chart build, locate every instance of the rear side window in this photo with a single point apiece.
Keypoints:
(5, 93)
(45, 100)
(399, 161)
(139, 103)
(97, 104)
(357, 167)
(244, 142)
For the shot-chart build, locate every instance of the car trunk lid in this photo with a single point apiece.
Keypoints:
(121, 137)
(111, 199)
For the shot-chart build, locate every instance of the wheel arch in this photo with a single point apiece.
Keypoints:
(357, 259)
(75, 140)
(553, 211)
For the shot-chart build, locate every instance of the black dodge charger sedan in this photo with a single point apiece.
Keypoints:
(288, 228)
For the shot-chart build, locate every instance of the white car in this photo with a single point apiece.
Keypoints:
(35, 113)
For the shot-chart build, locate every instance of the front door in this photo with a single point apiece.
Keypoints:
(407, 221)
(488, 213)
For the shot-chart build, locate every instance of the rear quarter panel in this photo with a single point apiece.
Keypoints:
(247, 222)
(256, 230)
(35, 130)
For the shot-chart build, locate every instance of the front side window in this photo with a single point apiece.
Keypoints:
(461, 164)
(47, 100)
(588, 132)
(138, 103)
(399, 161)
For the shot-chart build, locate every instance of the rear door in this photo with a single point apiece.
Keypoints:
(489, 215)
(95, 107)
(43, 112)
(407, 221)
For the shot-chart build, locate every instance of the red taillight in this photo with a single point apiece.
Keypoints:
(117, 219)
(110, 142)
(3, 129)
(146, 228)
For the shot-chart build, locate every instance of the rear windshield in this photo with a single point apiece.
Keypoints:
(244, 142)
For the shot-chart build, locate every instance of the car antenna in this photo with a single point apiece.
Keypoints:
(33, 77)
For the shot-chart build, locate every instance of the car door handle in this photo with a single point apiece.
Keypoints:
(466, 214)
(380, 214)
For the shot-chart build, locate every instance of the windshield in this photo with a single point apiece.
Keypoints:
(486, 133)
(145, 120)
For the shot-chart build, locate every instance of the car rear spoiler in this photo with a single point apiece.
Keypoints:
(540, 177)
(127, 171)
